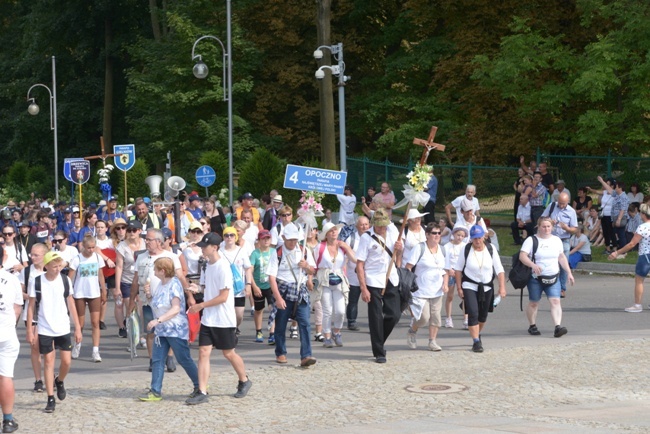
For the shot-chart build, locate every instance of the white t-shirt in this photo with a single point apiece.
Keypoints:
(459, 200)
(217, 278)
(33, 272)
(346, 212)
(241, 258)
(282, 271)
(11, 294)
(452, 252)
(413, 239)
(53, 319)
(429, 271)
(144, 268)
(350, 271)
(326, 261)
(69, 253)
(13, 256)
(547, 254)
(480, 266)
(250, 236)
(606, 203)
(461, 222)
(376, 259)
(106, 243)
(86, 278)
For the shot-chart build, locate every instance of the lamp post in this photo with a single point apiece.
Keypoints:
(338, 70)
(200, 70)
(33, 110)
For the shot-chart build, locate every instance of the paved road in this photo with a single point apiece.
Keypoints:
(587, 381)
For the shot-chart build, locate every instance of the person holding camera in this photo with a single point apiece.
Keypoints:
(548, 258)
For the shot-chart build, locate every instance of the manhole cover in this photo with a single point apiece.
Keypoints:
(437, 388)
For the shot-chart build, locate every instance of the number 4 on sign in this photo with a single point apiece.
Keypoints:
(294, 177)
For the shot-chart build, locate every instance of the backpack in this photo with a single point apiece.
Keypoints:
(37, 288)
(520, 274)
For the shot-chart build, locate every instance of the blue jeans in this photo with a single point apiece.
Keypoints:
(535, 290)
(281, 320)
(181, 351)
(563, 275)
(353, 305)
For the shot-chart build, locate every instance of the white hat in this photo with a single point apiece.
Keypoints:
(102, 203)
(291, 232)
(413, 214)
(277, 198)
(328, 227)
(466, 205)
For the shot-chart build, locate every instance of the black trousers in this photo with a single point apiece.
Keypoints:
(608, 231)
(514, 226)
(430, 207)
(383, 314)
(477, 312)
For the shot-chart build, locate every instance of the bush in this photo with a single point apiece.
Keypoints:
(258, 172)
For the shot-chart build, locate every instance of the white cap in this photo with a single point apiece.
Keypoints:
(291, 232)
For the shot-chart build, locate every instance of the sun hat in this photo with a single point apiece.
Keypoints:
(380, 218)
(328, 227)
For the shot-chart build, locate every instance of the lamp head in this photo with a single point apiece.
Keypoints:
(318, 54)
(320, 74)
(33, 109)
(200, 70)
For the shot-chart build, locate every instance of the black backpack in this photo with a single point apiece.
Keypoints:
(519, 273)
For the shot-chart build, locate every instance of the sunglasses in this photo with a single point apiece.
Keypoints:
(228, 235)
(434, 233)
(197, 231)
(285, 215)
(132, 231)
(6, 234)
(57, 241)
(120, 228)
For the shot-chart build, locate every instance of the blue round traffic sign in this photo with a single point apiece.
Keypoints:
(205, 176)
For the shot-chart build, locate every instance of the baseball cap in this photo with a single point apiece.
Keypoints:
(210, 239)
(134, 224)
(6, 214)
(75, 209)
(194, 197)
(68, 210)
(102, 202)
(476, 231)
(50, 256)
(263, 234)
(112, 199)
(247, 196)
(167, 233)
(195, 225)
(92, 205)
(291, 232)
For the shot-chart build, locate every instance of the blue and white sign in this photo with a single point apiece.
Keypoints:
(66, 168)
(80, 171)
(314, 179)
(125, 161)
(205, 176)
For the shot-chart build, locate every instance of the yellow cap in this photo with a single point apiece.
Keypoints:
(50, 256)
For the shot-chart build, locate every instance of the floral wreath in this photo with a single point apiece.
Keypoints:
(418, 179)
(310, 208)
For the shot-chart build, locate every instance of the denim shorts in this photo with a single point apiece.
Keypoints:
(452, 281)
(642, 266)
(535, 289)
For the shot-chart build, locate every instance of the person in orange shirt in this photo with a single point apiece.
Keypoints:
(247, 204)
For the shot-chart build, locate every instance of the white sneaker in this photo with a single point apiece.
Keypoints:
(410, 340)
(143, 343)
(433, 346)
(76, 350)
(449, 323)
(96, 357)
(465, 325)
(637, 308)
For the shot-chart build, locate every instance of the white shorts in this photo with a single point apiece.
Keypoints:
(8, 356)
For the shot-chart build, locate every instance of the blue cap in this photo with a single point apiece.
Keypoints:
(167, 232)
(92, 205)
(476, 231)
(146, 200)
(112, 198)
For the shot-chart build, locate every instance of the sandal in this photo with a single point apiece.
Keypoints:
(318, 337)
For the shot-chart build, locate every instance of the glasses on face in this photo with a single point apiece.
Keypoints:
(434, 233)
(132, 231)
(286, 215)
(197, 231)
(120, 228)
(55, 241)
(228, 235)
(150, 240)
(7, 234)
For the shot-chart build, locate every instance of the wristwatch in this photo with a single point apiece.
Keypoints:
(158, 319)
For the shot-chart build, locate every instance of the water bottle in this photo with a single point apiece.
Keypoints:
(497, 300)
(118, 300)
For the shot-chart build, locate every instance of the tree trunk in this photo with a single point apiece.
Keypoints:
(108, 86)
(155, 22)
(326, 97)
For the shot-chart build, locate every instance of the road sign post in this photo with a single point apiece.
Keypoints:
(314, 179)
(205, 176)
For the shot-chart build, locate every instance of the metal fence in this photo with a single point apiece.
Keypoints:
(494, 184)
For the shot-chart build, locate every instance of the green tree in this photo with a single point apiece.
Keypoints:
(261, 167)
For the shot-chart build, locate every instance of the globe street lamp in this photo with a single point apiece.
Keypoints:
(201, 70)
(33, 110)
(338, 70)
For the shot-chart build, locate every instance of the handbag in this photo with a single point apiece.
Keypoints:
(548, 280)
(194, 323)
(334, 279)
(237, 281)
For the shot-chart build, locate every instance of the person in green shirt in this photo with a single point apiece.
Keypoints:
(261, 286)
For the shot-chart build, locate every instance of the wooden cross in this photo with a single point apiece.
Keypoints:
(428, 144)
(103, 155)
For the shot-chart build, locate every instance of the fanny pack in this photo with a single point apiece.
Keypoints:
(548, 280)
(334, 279)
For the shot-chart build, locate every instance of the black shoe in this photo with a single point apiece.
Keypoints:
(102, 325)
(9, 425)
(354, 327)
(243, 387)
(380, 359)
(560, 331)
(171, 364)
(51, 405)
(532, 330)
(477, 347)
(38, 386)
(60, 389)
(121, 332)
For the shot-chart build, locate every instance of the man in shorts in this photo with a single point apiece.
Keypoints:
(11, 301)
(219, 322)
(53, 317)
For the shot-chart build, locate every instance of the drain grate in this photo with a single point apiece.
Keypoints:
(437, 388)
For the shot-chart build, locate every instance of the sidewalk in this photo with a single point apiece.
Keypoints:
(556, 386)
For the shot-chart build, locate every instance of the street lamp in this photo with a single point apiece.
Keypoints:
(338, 70)
(33, 110)
(200, 71)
